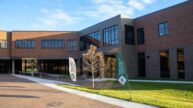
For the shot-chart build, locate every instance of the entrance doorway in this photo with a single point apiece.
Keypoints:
(141, 65)
(25, 65)
(110, 66)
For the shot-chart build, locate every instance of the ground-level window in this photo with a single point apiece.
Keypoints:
(5, 66)
(164, 64)
(51, 66)
(180, 63)
(72, 45)
(54, 66)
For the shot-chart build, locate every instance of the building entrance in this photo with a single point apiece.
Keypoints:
(110, 66)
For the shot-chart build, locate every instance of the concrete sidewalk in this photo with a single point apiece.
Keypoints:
(109, 100)
(163, 81)
(139, 80)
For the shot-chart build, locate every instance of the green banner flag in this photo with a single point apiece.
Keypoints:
(121, 70)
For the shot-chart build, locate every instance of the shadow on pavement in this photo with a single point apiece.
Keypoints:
(19, 96)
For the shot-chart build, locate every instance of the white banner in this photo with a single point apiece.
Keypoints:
(72, 69)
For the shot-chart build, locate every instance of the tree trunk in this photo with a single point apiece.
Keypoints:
(93, 80)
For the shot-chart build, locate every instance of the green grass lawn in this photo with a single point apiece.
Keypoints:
(157, 94)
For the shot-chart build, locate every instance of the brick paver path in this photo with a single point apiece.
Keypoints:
(21, 93)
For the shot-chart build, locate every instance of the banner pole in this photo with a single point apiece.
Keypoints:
(130, 98)
(122, 73)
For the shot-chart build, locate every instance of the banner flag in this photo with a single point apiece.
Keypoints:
(72, 69)
(121, 70)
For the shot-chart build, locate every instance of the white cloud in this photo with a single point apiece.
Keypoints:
(140, 4)
(107, 1)
(136, 4)
(107, 8)
(97, 10)
(53, 18)
(149, 1)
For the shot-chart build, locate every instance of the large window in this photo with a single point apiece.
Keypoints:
(52, 43)
(84, 43)
(25, 44)
(140, 36)
(129, 35)
(163, 29)
(164, 64)
(93, 38)
(3, 43)
(72, 45)
(60, 66)
(110, 36)
(180, 63)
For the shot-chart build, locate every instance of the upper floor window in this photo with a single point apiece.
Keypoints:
(84, 43)
(129, 35)
(25, 44)
(3, 43)
(93, 38)
(163, 29)
(52, 43)
(72, 45)
(110, 36)
(140, 36)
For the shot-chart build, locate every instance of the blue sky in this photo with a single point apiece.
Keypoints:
(71, 15)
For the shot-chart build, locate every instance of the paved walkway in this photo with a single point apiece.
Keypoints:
(21, 93)
(107, 100)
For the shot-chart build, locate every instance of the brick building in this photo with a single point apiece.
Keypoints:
(157, 45)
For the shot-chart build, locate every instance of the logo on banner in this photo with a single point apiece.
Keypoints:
(122, 80)
(72, 69)
(121, 71)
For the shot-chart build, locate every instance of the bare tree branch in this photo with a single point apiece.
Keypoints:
(93, 61)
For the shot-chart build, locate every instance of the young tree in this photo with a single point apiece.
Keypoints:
(93, 62)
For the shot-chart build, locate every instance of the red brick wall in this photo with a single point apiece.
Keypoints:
(180, 22)
(39, 52)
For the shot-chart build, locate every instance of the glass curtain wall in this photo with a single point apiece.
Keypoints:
(110, 36)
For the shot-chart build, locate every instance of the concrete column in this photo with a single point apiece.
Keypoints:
(152, 64)
(188, 52)
(173, 63)
(13, 67)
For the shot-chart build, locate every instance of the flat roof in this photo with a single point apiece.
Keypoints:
(40, 31)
